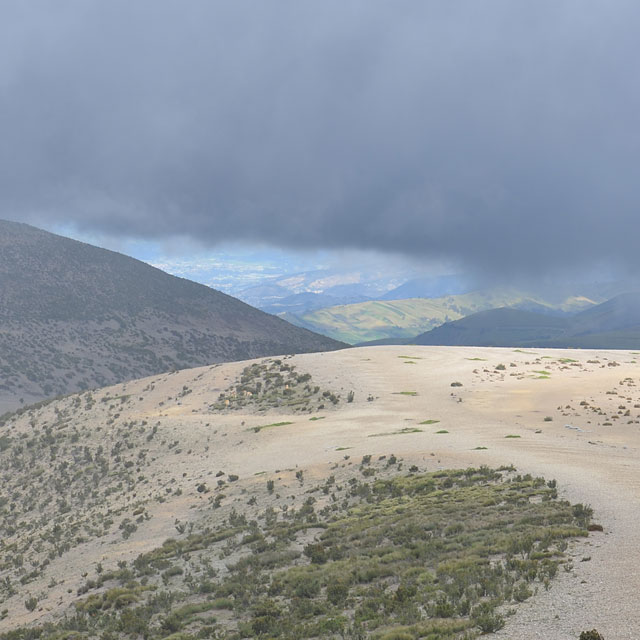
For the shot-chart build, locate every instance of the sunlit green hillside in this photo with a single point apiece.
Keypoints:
(375, 320)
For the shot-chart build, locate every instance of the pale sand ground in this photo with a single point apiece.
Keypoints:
(598, 465)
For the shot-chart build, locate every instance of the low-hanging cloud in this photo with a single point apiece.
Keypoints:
(502, 134)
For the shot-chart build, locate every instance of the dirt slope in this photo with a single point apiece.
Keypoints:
(569, 415)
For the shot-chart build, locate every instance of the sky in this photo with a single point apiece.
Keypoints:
(237, 267)
(499, 136)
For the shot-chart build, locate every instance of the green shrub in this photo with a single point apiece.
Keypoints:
(397, 635)
(265, 617)
(522, 592)
(337, 592)
(443, 608)
(486, 618)
(489, 622)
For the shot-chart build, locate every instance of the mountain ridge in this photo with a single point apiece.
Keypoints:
(376, 320)
(75, 316)
(613, 324)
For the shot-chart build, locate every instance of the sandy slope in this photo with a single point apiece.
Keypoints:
(593, 462)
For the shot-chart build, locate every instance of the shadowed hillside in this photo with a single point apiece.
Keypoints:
(614, 324)
(74, 316)
(502, 327)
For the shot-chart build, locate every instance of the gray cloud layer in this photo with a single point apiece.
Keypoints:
(502, 133)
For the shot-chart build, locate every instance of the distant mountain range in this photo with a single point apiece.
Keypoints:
(404, 319)
(428, 287)
(301, 303)
(307, 290)
(74, 316)
(614, 324)
(301, 293)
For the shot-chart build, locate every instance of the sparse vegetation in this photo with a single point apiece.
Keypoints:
(269, 426)
(382, 554)
(398, 432)
(275, 384)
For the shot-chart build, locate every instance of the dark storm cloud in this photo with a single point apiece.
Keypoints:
(500, 133)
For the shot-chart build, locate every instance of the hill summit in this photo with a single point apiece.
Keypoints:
(75, 316)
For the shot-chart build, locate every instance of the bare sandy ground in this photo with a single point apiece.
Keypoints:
(590, 445)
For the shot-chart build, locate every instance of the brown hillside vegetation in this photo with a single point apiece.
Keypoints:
(230, 500)
(73, 317)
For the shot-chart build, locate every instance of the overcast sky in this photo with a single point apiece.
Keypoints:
(501, 135)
